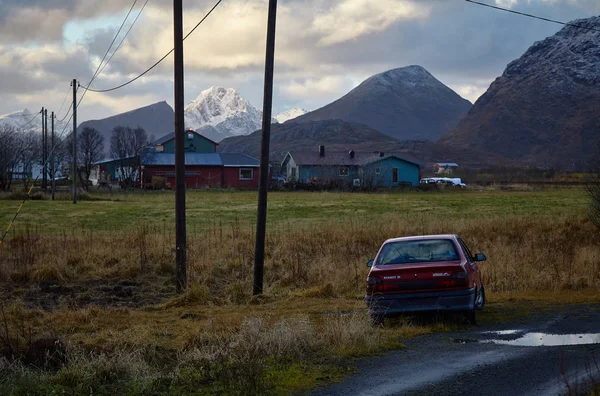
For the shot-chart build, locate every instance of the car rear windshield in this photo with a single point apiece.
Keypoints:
(420, 251)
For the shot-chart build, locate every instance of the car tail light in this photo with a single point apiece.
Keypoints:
(374, 284)
(460, 278)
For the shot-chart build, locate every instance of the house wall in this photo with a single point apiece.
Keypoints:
(232, 178)
(286, 168)
(326, 173)
(195, 176)
(407, 173)
(196, 145)
(203, 176)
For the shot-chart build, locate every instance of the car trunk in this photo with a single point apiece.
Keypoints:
(398, 278)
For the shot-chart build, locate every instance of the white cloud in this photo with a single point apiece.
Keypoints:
(349, 19)
(325, 87)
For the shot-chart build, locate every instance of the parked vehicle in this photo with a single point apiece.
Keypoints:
(444, 181)
(424, 273)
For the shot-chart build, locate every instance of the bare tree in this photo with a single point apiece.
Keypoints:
(90, 149)
(128, 146)
(19, 151)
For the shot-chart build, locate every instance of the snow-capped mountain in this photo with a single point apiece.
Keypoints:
(225, 111)
(27, 121)
(289, 115)
(544, 107)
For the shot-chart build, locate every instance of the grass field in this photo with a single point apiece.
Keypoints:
(98, 276)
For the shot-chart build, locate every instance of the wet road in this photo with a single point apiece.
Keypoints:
(524, 359)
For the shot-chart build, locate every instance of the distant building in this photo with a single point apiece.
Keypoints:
(204, 167)
(445, 168)
(374, 169)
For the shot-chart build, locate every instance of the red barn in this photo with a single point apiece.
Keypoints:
(204, 167)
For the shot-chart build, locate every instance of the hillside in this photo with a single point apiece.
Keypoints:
(405, 103)
(156, 119)
(544, 107)
(340, 135)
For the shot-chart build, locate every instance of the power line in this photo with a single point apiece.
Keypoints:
(87, 88)
(30, 121)
(533, 16)
(124, 37)
(63, 103)
(108, 50)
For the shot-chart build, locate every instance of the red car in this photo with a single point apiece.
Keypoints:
(424, 273)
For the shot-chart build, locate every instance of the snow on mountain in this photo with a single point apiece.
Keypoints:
(27, 121)
(225, 111)
(543, 108)
(289, 115)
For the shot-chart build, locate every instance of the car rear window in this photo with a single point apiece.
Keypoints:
(420, 251)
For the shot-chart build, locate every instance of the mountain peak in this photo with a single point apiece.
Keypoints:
(405, 103)
(225, 110)
(543, 107)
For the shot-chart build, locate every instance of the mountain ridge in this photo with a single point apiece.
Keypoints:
(404, 103)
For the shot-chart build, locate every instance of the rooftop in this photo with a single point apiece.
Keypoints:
(343, 158)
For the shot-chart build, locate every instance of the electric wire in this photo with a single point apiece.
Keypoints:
(20, 127)
(124, 37)
(30, 189)
(87, 88)
(63, 103)
(108, 49)
(533, 16)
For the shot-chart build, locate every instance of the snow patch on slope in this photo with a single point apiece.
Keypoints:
(289, 115)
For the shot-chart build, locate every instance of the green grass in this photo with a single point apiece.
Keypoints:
(118, 212)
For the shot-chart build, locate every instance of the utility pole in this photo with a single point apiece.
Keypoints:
(45, 149)
(74, 176)
(180, 232)
(261, 217)
(43, 154)
(52, 163)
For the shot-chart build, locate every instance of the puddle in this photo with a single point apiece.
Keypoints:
(503, 332)
(542, 339)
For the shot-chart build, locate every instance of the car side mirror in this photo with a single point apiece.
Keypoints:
(370, 263)
(480, 257)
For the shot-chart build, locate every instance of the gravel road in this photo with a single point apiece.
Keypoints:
(490, 360)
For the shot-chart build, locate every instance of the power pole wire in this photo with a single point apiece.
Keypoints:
(124, 37)
(87, 88)
(533, 16)
(108, 50)
(63, 103)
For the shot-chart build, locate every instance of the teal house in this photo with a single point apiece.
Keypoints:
(358, 169)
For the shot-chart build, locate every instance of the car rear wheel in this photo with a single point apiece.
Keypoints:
(480, 299)
(471, 314)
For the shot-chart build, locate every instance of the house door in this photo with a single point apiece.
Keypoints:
(394, 175)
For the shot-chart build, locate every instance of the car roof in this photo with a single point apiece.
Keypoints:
(423, 237)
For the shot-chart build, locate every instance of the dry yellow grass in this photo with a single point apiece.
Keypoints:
(109, 294)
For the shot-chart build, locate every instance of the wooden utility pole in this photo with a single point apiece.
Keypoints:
(43, 153)
(52, 163)
(74, 175)
(180, 231)
(261, 217)
(45, 149)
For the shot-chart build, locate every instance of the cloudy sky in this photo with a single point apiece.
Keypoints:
(324, 47)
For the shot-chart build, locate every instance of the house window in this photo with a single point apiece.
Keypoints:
(395, 175)
(190, 136)
(378, 171)
(160, 149)
(293, 172)
(246, 173)
(343, 171)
